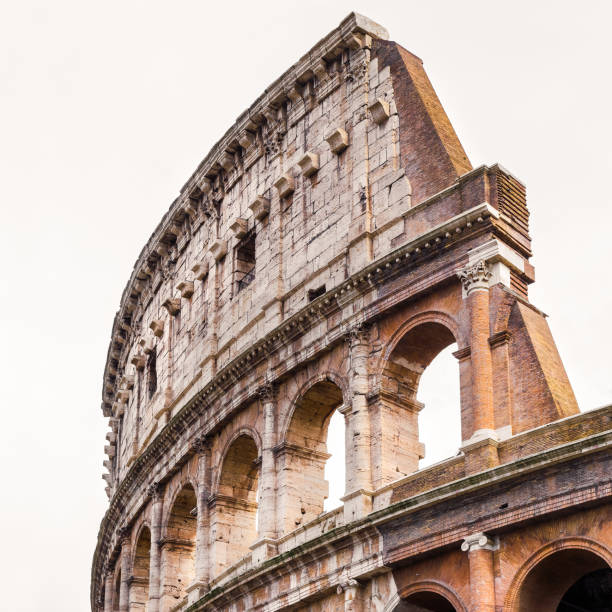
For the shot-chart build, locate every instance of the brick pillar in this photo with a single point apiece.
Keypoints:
(124, 591)
(267, 487)
(155, 491)
(481, 448)
(479, 548)
(108, 592)
(358, 496)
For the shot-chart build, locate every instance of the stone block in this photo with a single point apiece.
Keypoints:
(260, 207)
(157, 327)
(218, 249)
(309, 163)
(239, 227)
(285, 185)
(379, 110)
(337, 140)
(186, 288)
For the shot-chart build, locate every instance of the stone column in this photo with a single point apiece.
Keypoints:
(482, 446)
(480, 547)
(155, 492)
(124, 592)
(358, 496)
(108, 592)
(353, 596)
(267, 487)
(202, 560)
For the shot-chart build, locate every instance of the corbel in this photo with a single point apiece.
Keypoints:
(379, 110)
(218, 249)
(309, 163)
(239, 227)
(337, 140)
(227, 160)
(138, 360)
(285, 185)
(320, 71)
(200, 269)
(260, 207)
(186, 288)
(157, 327)
(172, 305)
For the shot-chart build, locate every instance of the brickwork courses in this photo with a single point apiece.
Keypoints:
(328, 248)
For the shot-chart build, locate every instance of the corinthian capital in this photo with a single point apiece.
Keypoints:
(475, 277)
(268, 392)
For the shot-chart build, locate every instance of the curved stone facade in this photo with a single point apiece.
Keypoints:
(332, 243)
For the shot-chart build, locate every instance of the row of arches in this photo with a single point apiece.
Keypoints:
(563, 577)
(237, 501)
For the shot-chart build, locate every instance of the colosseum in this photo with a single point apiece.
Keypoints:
(331, 244)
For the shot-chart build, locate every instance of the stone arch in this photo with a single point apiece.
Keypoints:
(548, 574)
(141, 557)
(222, 452)
(328, 375)
(409, 351)
(302, 453)
(429, 595)
(178, 545)
(234, 502)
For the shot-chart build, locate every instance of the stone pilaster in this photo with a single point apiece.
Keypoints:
(156, 494)
(353, 600)
(202, 560)
(108, 592)
(479, 548)
(480, 455)
(124, 589)
(358, 496)
(267, 489)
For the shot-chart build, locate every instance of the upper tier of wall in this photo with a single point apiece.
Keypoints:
(345, 158)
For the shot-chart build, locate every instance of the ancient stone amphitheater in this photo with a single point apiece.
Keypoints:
(331, 244)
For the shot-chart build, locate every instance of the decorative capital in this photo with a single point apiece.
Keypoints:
(154, 491)
(268, 392)
(200, 446)
(476, 277)
(123, 533)
(478, 541)
(345, 583)
(358, 334)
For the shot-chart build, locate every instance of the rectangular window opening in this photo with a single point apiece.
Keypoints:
(152, 373)
(313, 294)
(245, 262)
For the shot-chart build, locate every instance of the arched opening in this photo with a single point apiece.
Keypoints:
(139, 587)
(402, 448)
(335, 466)
(592, 592)
(440, 421)
(302, 457)
(568, 580)
(425, 601)
(178, 547)
(234, 516)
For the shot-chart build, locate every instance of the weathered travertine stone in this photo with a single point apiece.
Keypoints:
(301, 298)
(337, 140)
(309, 163)
(260, 207)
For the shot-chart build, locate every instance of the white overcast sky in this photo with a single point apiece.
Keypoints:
(106, 109)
